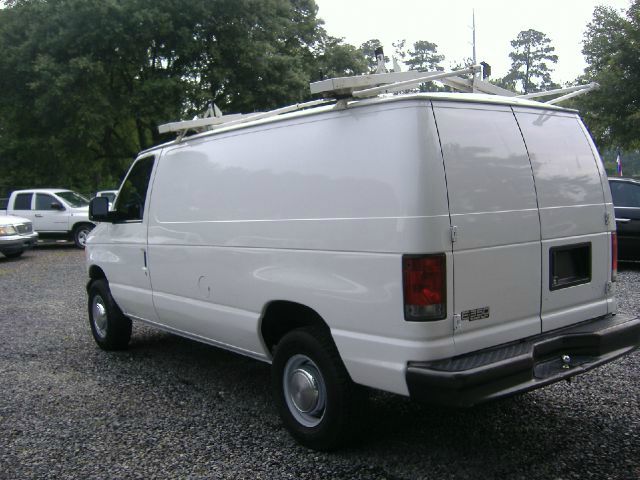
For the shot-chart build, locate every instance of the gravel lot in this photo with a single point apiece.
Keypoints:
(172, 408)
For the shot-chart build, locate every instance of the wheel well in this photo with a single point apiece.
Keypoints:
(76, 225)
(96, 272)
(280, 317)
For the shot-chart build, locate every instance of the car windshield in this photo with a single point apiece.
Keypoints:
(74, 199)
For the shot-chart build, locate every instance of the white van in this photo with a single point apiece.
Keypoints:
(453, 248)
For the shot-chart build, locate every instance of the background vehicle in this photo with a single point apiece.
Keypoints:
(16, 235)
(55, 213)
(626, 200)
(109, 194)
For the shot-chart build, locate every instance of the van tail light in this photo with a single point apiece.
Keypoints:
(614, 256)
(424, 280)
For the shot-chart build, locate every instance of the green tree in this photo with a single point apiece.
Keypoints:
(339, 59)
(86, 82)
(532, 51)
(425, 57)
(612, 112)
(400, 49)
(368, 49)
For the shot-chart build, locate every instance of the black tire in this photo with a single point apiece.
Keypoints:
(311, 353)
(80, 234)
(14, 254)
(111, 329)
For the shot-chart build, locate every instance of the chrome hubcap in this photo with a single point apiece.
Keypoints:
(82, 237)
(304, 390)
(99, 316)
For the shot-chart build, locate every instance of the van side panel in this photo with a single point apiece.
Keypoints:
(493, 206)
(572, 212)
(317, 211)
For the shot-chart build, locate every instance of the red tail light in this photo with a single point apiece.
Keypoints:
(424, 279)
(614, 256)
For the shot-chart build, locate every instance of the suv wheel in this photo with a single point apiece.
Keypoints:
(80, 234)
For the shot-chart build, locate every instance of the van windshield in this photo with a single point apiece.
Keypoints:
(74, 199)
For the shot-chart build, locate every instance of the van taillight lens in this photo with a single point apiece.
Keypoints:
(614, 256)
(424, 279)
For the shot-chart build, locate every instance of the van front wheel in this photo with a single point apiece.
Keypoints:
(312, 389)
(111, 329)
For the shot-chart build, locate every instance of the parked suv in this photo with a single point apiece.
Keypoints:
(626, 200)
(453, 248)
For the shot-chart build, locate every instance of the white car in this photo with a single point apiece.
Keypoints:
(16, 235)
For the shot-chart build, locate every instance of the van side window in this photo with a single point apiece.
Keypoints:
(133, 194)
(23, 201)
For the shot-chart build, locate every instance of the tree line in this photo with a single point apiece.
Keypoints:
(86, 82)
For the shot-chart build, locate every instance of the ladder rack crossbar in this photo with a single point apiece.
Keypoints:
(234, 119)
(579, 89)
(372, 92)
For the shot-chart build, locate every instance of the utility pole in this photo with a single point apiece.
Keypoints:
(473, 29)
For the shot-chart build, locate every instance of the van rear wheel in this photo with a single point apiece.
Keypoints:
(312, 389)
(111, 329)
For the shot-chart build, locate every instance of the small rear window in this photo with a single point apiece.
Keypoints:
(23, 201)
(570, 265)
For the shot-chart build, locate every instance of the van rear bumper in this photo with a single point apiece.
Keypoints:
(524, 365)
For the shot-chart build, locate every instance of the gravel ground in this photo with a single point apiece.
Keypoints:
(172, 408)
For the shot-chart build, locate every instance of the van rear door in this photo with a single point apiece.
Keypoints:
(495, 225)
(575, 222)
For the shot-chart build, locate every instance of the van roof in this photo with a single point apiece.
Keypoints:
(478, 98)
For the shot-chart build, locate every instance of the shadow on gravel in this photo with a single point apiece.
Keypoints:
(524, 430)
(50, 245)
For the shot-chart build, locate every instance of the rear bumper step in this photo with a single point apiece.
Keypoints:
(523, 365)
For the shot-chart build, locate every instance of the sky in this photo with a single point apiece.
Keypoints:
(448, 24)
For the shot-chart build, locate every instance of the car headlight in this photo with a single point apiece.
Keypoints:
(6, 230)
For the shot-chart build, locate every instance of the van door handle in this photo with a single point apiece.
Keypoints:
(144, 258)
(39, 215)
(623, 220)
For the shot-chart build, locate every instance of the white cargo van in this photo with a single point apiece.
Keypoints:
(453, 248)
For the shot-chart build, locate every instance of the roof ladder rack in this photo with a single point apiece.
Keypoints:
(345, 89)
(364, 86)
(219, 120)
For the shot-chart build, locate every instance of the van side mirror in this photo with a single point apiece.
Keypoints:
(57, 206)
(99, 209)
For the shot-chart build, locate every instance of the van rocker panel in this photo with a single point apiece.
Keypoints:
(521, 366)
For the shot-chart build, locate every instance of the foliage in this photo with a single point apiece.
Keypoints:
(86, 82)
(424, 56)
(630, 162)
(367, 49)
(529, 71)
(612, 112)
